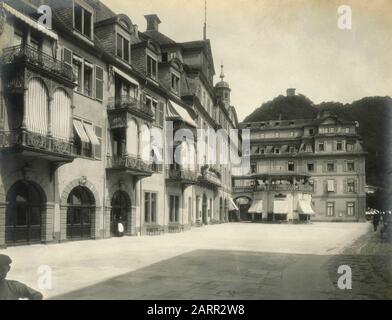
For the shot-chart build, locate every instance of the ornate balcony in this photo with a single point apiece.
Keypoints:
(130, 164)
(183, 176)
(35, 144)
(274, 187)
(119, 108)
(210, 178)
(38, 60)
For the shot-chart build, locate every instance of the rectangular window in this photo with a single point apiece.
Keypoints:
(77, 66)
(330, 185)
(98, 147)
(151, 67)
(350, 209)
(122, 48)
(339, 146)
(174, 207)
(330, 209)
(99, 83)
(253, 168)
(290, 166)
(350, 186)
(350, 166)
(311, 131)
(175, 84)
(321, 146)
(150, 199)
(330, 166)
(310, 166)
(277, 150)
(83, 20)
(349, 147)
(88, 79)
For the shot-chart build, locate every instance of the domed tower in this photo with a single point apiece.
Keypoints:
(222, 90)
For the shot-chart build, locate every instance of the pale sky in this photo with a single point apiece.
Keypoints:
(268, 46)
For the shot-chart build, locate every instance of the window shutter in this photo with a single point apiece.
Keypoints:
(98, 148)
(345, 186)
(315, 166)
(324, 166)
(345, 166)
(67, 56)
(336, 186)
(99, 83)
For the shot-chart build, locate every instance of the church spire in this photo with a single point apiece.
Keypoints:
(222, 76)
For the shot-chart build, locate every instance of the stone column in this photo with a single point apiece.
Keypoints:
(107, 211)
(47, 223)
(63, 223)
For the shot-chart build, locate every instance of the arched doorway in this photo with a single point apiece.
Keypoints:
(204, 209)
(243, 203)
(80, 211)
(121, 206)
(26, 202)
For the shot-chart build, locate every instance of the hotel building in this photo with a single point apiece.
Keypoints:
(87, 109)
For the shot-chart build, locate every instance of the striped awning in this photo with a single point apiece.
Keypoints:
(91, 134)
(78, 125)
(123, 75)
(176, 112)
(305, 207)
(256, 207)
(29, 21)
(232, 205)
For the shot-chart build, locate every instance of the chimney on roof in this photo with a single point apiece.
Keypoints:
(153, 22)
(290, 92)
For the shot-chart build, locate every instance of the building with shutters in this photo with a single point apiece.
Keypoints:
(303, 169)
(87, 110)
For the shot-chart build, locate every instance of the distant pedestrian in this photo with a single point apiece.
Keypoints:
(14, 290)
(376, 221)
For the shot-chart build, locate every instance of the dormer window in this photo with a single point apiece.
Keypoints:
(122, 48)
(152, 67)
(83, 20)
(175, 83)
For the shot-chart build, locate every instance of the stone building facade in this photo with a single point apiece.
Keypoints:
(302, 169)
(86, 111)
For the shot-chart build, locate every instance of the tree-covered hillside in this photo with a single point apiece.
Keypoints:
(374, 115)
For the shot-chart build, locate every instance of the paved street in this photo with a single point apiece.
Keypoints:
(229, 261)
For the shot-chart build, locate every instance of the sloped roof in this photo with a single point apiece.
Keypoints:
(159, 37)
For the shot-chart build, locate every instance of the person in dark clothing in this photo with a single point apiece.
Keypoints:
(376, 221)
(14, 290)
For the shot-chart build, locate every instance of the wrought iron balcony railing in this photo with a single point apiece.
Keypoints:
(184, 175)
(275, 187)
(129, 162)
(210, 177)
(28, 54)
(35, 142)
(131, 103)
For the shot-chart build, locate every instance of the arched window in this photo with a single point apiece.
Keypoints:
(37, 107)
(60, 114)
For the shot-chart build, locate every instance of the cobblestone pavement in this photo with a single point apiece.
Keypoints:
(229, 261)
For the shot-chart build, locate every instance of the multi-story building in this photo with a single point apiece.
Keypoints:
(86, 113)
(301, 169)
